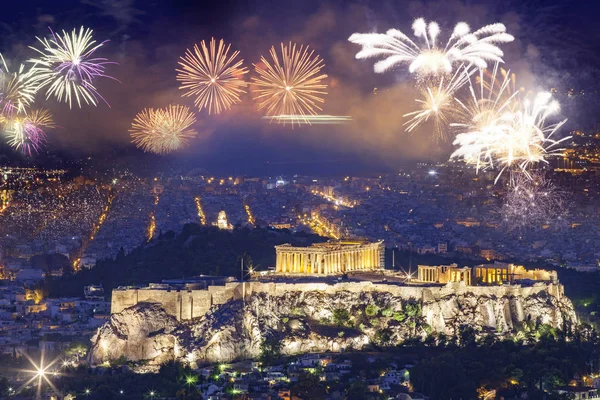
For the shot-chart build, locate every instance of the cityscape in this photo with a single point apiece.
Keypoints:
(299, 200)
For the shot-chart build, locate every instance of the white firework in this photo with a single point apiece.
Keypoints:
(430, 57)
(438, 102)
(502, 130)
(533, 202)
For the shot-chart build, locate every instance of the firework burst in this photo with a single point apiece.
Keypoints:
(292, 86)
(438, 102)
(67, 69)
(430, 58)
(162, 131)
(213, 76)
(26, 133)
(501, 129)
(17, 90)
(531, 202)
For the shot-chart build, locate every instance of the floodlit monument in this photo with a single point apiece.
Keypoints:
(222, 222)
(497, 272)
(333, 257)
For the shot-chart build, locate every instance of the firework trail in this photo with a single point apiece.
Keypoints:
(431, 57)
(438, 102)
(66, 67)
(531, 202)
(292, 86)
(502, 130)
(17, 90)
(162, 131)
(26, 132)
(213, 76)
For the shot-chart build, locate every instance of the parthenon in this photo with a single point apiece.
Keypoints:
(333, 257)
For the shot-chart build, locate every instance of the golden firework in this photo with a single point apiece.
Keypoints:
(292, 86)
(213, 76)
(163, 130)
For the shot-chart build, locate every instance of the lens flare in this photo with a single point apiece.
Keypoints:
(66, 68)
(292, 86)
(213, 76)
(162, 131)
(431, 57)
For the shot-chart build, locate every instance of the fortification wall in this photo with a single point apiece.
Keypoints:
(189, 304)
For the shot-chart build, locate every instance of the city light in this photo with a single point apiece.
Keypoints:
(201, 215)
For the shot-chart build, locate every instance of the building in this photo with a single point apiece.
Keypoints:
(444, 274)
(333, 257)
(499, 272)
(222, 222)
(496, 273)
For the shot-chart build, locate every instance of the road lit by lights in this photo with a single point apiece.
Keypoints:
(201, 214)
(251, 219)
(336, 201)
(95, 228)
(319, 226)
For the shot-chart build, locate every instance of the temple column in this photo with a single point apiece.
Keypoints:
(283, 263)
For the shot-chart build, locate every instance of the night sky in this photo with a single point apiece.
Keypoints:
(557, 45)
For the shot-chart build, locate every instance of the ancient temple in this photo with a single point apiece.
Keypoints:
(333, 257)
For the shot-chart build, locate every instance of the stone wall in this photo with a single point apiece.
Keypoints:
(190, 304)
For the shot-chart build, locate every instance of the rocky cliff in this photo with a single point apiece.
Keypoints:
(317, 321)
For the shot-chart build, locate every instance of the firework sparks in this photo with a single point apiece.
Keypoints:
(213, 76)
(26, 133)
(501, 129)
(438, 102)
(430, 58)
(67, 68)
(163, 130)
(17, 90)
(292, 86)
(532, 201)
(312, 119)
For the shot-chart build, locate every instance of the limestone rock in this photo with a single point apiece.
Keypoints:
(302, 321)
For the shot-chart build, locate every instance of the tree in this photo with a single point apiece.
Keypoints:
(309, 386)
(341, 317)
(371, 310)
(357, 391)
(270, 348)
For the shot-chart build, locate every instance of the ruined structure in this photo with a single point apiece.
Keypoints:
(496, 273)
(333, 257)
